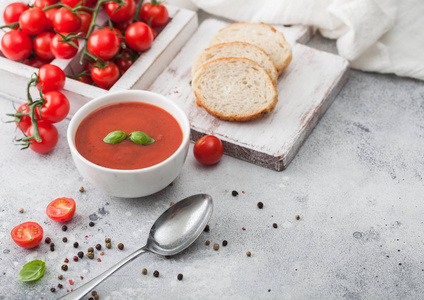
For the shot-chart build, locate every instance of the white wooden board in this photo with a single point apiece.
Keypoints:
(306, 89)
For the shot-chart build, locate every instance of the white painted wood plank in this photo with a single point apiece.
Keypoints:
(306, 89)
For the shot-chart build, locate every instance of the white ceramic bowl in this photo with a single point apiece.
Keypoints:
(131, 183)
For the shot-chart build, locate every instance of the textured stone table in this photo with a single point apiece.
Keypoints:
(357, 185)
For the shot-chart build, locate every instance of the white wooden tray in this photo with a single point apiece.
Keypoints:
(306, 89)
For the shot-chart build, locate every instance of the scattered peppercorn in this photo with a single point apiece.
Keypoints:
(90, 249)
(91, 224)
(144, 271)
(215, 246)
(248, 253)
(66, 260)
(76, 245)
(80, 254)
(167, 256)
(90, 255)
(21, 210)
(172, 203)
(234, 193)
(260, 205)
(98, 246)
(64, 267)
(93, 293)
(60, 286)
(206, 228)
(224, 243)
(99, 260)
(91, 298)
(297, 217)
(107, 240)
(108, 245)
(96, 297)
(180, 276)
(60, 276)
(120, 246)
(275, 225)
(207, 243)
(52, 290)
(48, 240)
(81, 189)
(64, 228)
(156, 273)
(65, 239)
(75, 258)
(52, 247)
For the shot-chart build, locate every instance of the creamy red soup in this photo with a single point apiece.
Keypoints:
(128, 117)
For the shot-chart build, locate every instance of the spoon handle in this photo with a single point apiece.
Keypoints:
(89, 286)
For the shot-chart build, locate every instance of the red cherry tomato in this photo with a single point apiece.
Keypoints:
(155, 15)
(42, 45)
(27, 235)
(50, 16)
(13, 11)
(66, 21)
(121, 14)
(49, 137)
(73, 3)
(56, 107)
(36, 62)
(208, 150)
(85, 23)
(122, 26)
(119, 34)
(155, 33)
(51, 77)
(84, 79)
(105, 77)
(43, 3)
(63, 50)
(33, 21)
(61, 209)
(25, 121)
(16, 45)
(124, 62)
(138, 36)
(103, 43)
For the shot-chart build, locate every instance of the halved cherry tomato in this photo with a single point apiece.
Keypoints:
(25, 121)
(61, 49)
(16, 45)
(66, 21)
(105, 77)
(42, 45)
(33, 21)
(51, 77)
(13, 11)
(208, 150)
(49, 137)
(56, 107)
(154, 14)
(103, 43)
(121, 14)
(139, 36)
(61, 209)
(27, 235)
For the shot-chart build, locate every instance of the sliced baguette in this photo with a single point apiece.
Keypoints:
(234, 89)
(261, 35)
(236, 49)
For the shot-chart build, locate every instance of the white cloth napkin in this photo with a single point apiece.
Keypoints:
(385, 36)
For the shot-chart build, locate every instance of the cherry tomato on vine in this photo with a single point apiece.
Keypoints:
(25, 121)
(121, 14)
(154, 32)
(103, 43)
(50, 16)
(154, 14)
(51, 77)
(61, 209)
(86, 19)
(56, 107)
(124, 62)
(139, 36)
(33, 21)
(119, 34)
(208, 150)
(122, 26)
(13, 11)
(43, 3)
(66, 21)
(61, 49)
(49, 137)
(27, 235)
(105, 77)
(42, 45)
(16, 45)
(36, 62)
(84, 79)
(73, 3)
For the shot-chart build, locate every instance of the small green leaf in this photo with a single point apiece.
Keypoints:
(32, 270)
(141, 138)
(115, 137)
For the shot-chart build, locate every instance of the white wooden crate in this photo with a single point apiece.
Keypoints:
(182, 24)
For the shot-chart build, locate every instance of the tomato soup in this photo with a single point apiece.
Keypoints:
(128, 117)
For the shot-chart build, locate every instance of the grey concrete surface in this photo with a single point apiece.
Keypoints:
(357, 185)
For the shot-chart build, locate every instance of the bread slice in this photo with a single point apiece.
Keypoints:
(234, 89)
(261, 35)
(236, 49)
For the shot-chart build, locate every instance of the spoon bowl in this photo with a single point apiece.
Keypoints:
(175, 230)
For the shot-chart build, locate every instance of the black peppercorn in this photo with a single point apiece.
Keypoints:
(91, 224)
(207, 243)
(76, 245)
(275, 225)
(206, 228)
(80, 254)
(90, 249)
(65, 239)
(180, 276)
(224, 243)
(156, 273)
(98, 246)
(60, 286)
(144, 271)
(65, 267)
(260, 205)
(297, 217)
(234, 193)
(52, 290)
(120, 246)
(47, 240)
(64, 227)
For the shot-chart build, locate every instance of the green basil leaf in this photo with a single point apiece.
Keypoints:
(32, 270)
(115, 137)
(141, 138)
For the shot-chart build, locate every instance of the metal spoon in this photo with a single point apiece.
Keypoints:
(176, 229)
